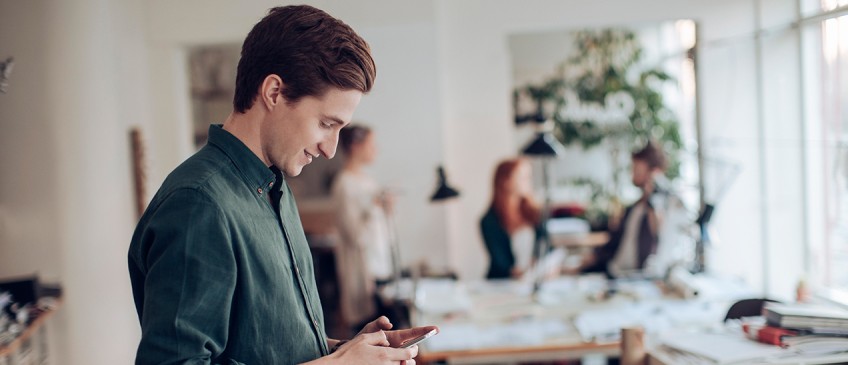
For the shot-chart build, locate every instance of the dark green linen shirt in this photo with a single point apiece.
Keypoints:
(219, 275)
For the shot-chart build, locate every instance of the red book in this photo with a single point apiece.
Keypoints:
(774, 335)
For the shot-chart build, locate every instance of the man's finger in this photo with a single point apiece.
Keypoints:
(398, 336)
(383, 323)
(415, 332)
(393, 354)
(377, 339)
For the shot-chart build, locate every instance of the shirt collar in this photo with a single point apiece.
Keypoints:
(260, 177)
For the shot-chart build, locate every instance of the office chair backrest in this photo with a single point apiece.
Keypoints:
(747, 308)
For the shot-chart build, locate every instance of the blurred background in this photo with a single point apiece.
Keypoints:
(748, 96)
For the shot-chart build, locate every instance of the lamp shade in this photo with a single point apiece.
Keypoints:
(545, 144)
(443, 191)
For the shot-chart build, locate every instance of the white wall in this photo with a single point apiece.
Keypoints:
(66, 196)
(29, 189)
(29, 239)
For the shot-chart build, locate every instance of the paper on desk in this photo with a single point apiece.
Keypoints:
(439, 296)
(605, 324)
(568, 226)
(722, 348)
(399, 290)
(550, 263)
(571, 290)
(522, 333)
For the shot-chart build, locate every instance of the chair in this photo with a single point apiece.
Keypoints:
(747, 308)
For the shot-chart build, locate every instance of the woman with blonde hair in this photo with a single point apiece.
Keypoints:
(364, 253)
(511, 227)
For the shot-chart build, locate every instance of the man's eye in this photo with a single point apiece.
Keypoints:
(326, 124)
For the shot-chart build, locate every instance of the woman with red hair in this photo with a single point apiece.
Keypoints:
(511, 227)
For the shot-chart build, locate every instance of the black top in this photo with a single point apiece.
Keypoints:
(499, 245)
(646, 241)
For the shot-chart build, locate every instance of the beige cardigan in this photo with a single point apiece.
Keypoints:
(364, 253)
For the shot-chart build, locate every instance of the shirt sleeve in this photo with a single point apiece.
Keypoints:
(189, 279)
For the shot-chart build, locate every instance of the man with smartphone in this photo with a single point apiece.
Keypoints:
(219, 264)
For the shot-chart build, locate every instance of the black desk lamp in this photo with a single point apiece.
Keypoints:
(544, 146)
(444, 191)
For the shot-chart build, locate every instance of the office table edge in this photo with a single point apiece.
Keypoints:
(431, 356)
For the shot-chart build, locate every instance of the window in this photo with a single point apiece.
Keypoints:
(825, 49)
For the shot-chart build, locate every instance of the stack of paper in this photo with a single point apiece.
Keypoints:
(531, 332)
(813, 344)
(806, 317)
(722, 348)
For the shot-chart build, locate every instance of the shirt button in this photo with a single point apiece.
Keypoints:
(259, 190)
(297, 270)
(314, 323)
(270, 184)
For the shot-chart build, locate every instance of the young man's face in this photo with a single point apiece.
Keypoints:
(296, 133)
(642, 173)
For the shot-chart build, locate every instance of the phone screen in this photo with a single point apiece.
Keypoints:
(414, 341)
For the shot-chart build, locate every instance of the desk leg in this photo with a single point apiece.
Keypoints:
(633, 346)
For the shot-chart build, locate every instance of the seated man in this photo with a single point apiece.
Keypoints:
(637, 236)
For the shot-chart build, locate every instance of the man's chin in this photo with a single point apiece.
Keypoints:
(293, 171)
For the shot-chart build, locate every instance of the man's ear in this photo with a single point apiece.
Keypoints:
(271, 92)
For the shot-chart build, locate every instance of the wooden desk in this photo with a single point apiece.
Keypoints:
(503, 322)
(523, 354)
(658, 356)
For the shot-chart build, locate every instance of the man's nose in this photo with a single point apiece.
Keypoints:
(328, 146)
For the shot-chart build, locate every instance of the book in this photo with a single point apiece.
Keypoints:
(721, 348)
(774, 335)
(804, 316)
(817, 344)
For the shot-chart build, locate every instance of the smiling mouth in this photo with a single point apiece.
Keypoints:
(309, 157)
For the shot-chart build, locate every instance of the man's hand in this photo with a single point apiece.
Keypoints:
(379, 324)
(394, 337)
(373, 349)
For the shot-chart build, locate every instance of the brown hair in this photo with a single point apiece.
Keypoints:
(351, 135)
(652, 155)
(308, 49)
(512, 216)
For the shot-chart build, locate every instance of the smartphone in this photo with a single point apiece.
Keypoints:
(414, 341)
